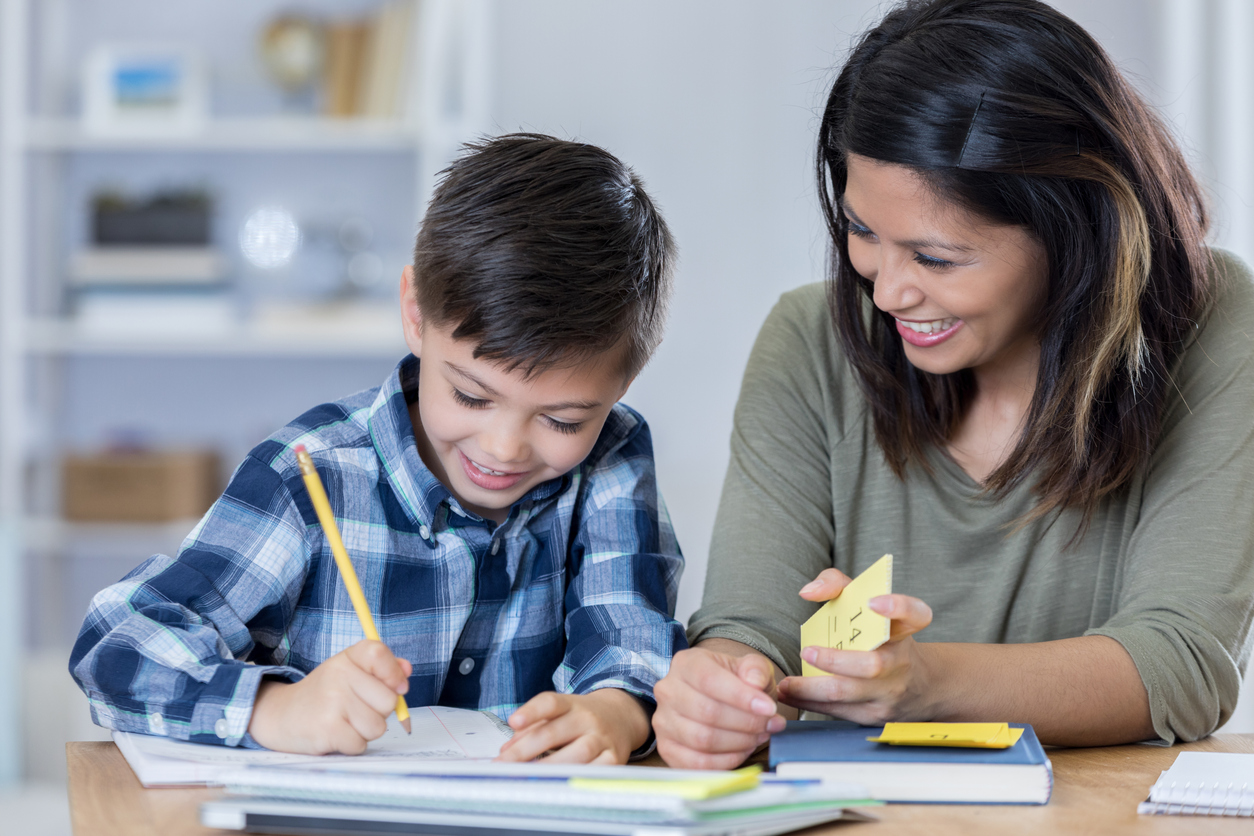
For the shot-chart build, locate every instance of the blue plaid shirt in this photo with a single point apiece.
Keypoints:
(573, 592)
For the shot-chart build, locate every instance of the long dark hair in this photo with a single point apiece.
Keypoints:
(1011, 110)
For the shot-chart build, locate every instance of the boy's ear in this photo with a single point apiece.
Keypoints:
(411, 314)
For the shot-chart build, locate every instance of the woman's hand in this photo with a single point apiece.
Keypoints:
(869, 687)
(715, 707)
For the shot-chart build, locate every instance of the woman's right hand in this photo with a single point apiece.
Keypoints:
(714, 708)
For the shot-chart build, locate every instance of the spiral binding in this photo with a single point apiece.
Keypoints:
(1216, 799)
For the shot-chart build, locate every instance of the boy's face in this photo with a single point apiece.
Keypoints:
(490, 435)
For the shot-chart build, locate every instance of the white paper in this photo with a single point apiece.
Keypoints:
(439, 734)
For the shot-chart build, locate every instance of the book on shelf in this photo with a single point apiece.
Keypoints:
(1203, 784)
(156, 312)
(146, 266)
(839, 751)
(369, 63)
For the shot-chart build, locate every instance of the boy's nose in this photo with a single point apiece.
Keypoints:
(505, 446)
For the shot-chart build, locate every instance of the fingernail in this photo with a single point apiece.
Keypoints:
(810, 654)
(776, 724)
(763, 706)
(880, 604)
(812, 586)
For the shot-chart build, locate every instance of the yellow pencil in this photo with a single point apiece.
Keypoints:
(318, 494)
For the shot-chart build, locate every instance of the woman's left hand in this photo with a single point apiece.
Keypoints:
(872, 687)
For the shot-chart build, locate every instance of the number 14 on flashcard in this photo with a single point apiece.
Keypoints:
(846, 622)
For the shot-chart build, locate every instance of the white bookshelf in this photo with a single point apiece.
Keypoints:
(39, 142)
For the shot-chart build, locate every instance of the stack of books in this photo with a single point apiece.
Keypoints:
(368, 63)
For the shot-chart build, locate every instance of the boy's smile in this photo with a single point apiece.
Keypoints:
(491, 435)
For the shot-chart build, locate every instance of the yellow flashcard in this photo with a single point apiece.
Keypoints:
(967, 735)
(692, 789)
(846, 622)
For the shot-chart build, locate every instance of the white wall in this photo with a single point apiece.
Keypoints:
(715, 104)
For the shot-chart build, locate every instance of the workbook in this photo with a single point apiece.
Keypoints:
(531, 798)
(1204, 784)
(439, 734)
(841, 751)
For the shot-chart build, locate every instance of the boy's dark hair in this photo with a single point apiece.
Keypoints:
(544, 252)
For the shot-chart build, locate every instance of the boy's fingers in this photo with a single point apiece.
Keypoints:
(544, 706)
(375, 659)
(534, 742)
(366, 722)
(372, 693)
(585, 749)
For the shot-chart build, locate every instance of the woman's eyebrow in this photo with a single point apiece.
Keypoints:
(913, 243)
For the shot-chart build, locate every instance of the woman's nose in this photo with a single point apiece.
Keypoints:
(895, 288)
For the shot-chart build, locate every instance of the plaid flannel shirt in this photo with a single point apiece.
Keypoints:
(575, 591)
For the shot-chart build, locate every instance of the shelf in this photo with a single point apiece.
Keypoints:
(106, 539)
(62, 337)
(255, 134)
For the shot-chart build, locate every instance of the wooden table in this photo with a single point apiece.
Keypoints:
(1095, 792)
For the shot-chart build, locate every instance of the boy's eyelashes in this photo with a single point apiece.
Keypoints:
(467, 401)
(479, 403)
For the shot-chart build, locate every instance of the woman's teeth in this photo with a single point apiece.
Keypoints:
(483, 469)
(933, 327)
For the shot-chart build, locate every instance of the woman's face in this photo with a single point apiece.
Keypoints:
(966, 294)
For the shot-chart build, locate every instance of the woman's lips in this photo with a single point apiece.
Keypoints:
(926, 340)
(489, 481)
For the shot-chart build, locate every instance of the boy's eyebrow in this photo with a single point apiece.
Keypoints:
(914, 243)
(488, 390)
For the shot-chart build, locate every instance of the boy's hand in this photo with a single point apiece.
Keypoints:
(605, 726)
(339, 707)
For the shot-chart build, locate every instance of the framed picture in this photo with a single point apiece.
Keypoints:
(138, 90)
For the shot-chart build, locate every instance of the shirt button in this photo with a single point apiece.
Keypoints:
(496, 546)
(466, 666)
(158, 723)
(221, 729)
(424, 532)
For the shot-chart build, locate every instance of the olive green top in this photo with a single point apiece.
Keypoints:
(1166, 567)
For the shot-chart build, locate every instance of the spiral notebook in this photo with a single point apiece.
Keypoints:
(1204, 784)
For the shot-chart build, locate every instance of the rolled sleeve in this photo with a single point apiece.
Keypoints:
(625, 565)
(167, 649)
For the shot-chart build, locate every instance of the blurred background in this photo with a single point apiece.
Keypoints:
(205, 208)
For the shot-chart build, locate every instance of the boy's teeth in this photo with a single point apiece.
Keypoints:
(933, 327)
(483, 469)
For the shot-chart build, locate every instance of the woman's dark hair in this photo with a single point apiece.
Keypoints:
(1010, 110)
(545, 252)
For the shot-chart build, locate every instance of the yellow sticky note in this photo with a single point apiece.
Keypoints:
(847, 623)
(966, 735)
(692, 789)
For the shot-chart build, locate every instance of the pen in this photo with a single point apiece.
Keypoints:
(318, 494)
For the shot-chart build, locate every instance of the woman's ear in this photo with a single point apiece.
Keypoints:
(411, 314)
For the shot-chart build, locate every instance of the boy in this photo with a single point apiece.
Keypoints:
(500, 507)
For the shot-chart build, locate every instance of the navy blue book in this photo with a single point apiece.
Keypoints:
(837, 750)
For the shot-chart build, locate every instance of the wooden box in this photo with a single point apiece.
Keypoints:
(139, 486)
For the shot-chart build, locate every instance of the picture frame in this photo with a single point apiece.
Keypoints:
(134, 90)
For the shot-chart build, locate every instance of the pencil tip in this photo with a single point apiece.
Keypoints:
(407, 726)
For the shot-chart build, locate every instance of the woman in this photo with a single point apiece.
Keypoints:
(1032, 384)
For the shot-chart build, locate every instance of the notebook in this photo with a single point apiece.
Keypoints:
(1204, 784)
(839, 751)
(529, 798)
(439, 734)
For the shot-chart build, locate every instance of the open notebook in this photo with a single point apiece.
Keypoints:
(1204, 784)
(439, 734)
